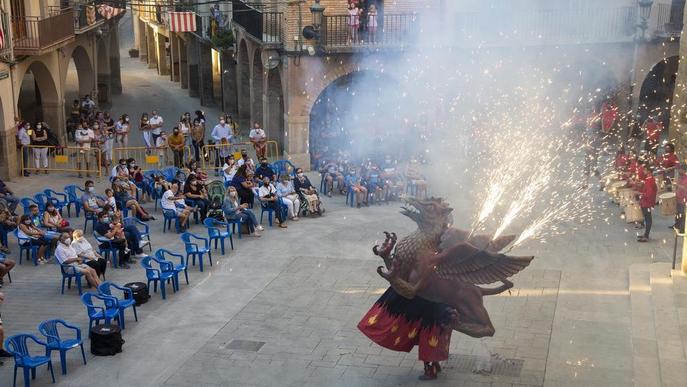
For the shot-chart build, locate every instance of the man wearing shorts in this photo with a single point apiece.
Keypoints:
(67, 256)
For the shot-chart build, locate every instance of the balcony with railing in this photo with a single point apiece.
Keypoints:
(669, 19)
(5, 44)
(393, 31)
(33, 35)
(264, 26)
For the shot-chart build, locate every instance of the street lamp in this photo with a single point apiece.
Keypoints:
(644, 14)
(317, 11)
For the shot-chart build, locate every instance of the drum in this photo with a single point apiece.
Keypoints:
(608, 183)
(668, 203)
(633, 213)
(615, 186)
(627, 196)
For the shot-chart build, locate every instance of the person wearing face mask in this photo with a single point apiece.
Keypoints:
(196, 196)
(90, 201)
(24, 140)
(156, 124)
(245, 159)
(197, 137)
(354, 183)
(176, 144)
(115, 233)
(174, 200)
(259, 140)
(39, 139)
(222, 131)
(332, 172)
(307, 191)
(85, 251)
(233, 211)
(122, 131)
(244, 185)
(185, 127)
(67, 256)
(229, 168)
(36, 237)
(269, 199)
(53, 221)
(289, 197)
(265, 170)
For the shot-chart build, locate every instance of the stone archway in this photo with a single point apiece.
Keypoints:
(243, 81)
(79, 79)
(274, 125)
(256, 95)
(658, 89)
(38, 98)
(103, 66)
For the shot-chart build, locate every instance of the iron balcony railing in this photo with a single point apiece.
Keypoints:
(86, 16)
(393, 30)
(32, 34)
(264, 26)
(5, 44)
(669, 18)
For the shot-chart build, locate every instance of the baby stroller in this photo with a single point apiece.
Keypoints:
(216, 197)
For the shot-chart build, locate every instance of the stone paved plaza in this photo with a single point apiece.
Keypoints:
(594, 309)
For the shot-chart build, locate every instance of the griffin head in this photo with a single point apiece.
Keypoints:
(431, 215)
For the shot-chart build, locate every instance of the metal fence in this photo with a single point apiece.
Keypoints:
(62, 159)
(216, 153)
(392, 30)
(670, 18)
(34, 33)
(153, 158)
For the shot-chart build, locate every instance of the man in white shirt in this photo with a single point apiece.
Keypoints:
(25, 141)
(245, 159)
(259, 139)
(172, 200)
(66, 255)
(83, 137)
(84, 250)
(156, 123)
(222, 131)
(269, 199)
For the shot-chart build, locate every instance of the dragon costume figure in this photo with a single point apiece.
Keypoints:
(434, 275)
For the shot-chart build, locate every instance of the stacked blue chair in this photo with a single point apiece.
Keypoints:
(163, 274)
(194, 250)
(73, 198)
(57, 342)
(108, 312)
(216, 234)
(161, 255)
(17, 346)
(128, 301)
(68, 273)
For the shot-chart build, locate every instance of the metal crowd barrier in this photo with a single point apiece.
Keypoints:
(150, 158)
(62, 159)
(216, 153)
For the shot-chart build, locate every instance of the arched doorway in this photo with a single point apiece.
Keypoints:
(349, 119)
(275, 102)
(656, 94)
(80, 77)
(38, 96)
(256, 89)
(244, 81)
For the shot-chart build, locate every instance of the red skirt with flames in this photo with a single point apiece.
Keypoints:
(399, 324)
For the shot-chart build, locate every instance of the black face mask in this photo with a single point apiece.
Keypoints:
(264, 164)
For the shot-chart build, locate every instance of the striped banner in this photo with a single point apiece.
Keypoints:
(182, 21)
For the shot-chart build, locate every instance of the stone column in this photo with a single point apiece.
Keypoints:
(677, 132)
(229, 86)
(152, 47)
(192, 50)
(115, 70)
(9, 162)
(174, 50)
(54, 116)
(296, 141)
(143, 40)
(183, 63)
(205, 75)
(137, 30)
(162, 65)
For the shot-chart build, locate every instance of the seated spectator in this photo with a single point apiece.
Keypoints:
(90, 201)
(53, 221)
(7, 195)
(244, 184)
(375, 184)
(35, 215)
(289, 196)
(36, 236)
(258, 138)
(196, 195)
(303, 187)
(116, 236)
(125, 193)
(269, 198)
(229, 168)
(417, 179)
(264, 170)
(354, 182)
(246, 160)
(8, 221)
(65, 255)
(3, 353)
(85, 251)
(110, 200)
(333, 172)
(174, 200)
(136, 175)
(234, 211)
(6, 266)
(194, 170)
(117, 168)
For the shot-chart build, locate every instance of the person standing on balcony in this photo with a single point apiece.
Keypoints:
(39, 139)
(353, 23)
(372, 24)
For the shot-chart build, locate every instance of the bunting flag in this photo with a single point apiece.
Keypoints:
(182, 21)
(90, 15)
(108, 12)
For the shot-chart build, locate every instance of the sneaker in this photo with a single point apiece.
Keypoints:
(4, 353)
(295, 218)
(260, 228)
(282, 225)
(142, 244)
(126, 251)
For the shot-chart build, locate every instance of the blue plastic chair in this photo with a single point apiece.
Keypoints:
(121, 206)
(25, 246)
(9, 275)
(234, 223)
(107, 249)
(108, 312)
(3, 236)
(170, 173)
(42, 200)
(170, 216)
(280, 167)
(193, 250)
(270, 211)
(89, 216)
(350, 195)
(162, 275)
(215, 232)
(17, 346)
(59, 199)
(73, 198)
(68, 273)
(49, 329)
(128, 301)
(145, 231)
(27, 202)
(161, 255)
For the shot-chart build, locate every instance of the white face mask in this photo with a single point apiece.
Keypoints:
(126, 119)
(39, 126)
(222, 122)
(67, 241)
(300, 174)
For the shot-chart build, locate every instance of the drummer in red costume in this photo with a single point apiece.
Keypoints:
(647, 199)
(667, 163)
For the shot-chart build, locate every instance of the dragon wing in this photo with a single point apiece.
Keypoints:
(454, 236)
(467, 263)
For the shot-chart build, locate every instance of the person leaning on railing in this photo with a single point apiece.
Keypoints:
(39, 139)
